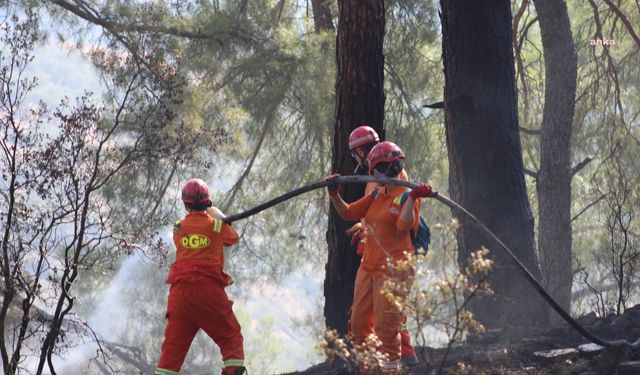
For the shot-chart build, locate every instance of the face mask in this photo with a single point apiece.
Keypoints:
(391, 169)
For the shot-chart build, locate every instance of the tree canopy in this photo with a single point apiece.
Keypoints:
(243, 94)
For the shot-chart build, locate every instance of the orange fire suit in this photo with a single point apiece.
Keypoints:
(197, 299)
(405, 343)
(387, 239)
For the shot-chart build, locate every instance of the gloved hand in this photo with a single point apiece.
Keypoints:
(354, 229)
(357, 235)
(332, 188)
(360, 248)
(423, 191)
(215, 213)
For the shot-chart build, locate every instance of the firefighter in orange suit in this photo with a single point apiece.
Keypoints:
(388, 240)
(361, 140)
(197, 299)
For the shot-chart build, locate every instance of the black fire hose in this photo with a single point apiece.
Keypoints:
(453, 205)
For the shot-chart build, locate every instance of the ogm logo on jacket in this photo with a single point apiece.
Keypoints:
(395, 207)
(194, 241)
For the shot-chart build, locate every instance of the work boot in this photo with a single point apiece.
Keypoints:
(234, 370)
(409, 361)
(408, 357)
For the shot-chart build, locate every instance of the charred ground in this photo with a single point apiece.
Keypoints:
(513, 351)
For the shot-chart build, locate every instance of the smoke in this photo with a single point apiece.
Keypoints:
(279, 321)
(108, 319)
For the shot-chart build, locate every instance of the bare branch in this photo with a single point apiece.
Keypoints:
(581, 165)
(164, 188)
(583, 293)
(436, 105)
(625, 21)
(586, 208)
(611, 66)
(531, 173)
(518, 54)
(530, 131)
(517, 17)
(131, 355)
(234, 190)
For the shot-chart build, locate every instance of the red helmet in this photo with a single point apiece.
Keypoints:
(195, 191)
(362, 135)
(384, 152)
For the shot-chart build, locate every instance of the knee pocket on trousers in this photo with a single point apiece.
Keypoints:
(394, 318)
(392, 321)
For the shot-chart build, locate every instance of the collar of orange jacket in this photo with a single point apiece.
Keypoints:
(395, 190)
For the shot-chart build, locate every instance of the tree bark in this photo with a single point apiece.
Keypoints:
(359, 99)
(485, 157)
(554, 178)
(322, 19)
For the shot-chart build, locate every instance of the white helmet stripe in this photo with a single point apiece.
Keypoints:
(362, 140)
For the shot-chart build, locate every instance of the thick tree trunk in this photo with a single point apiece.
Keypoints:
(554, 177)
(322, 19)
(359, 99)
(485, 157)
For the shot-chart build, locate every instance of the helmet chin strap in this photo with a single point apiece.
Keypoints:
(362, 161)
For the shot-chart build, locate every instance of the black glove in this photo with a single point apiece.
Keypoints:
(332, 188)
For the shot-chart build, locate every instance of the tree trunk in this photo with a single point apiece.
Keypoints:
(485, 157)
(554, 177)
(322, 19)
(359, 99)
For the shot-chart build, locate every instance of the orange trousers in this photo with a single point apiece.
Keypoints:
(405, 341)
(373, 313)
(193, 306)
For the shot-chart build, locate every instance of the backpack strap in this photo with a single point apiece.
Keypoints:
(375, 192)
(403, 199)
(398, 200)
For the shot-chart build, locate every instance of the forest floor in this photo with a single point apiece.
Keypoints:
(514, 352)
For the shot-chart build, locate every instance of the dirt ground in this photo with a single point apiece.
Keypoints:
(559, 351)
